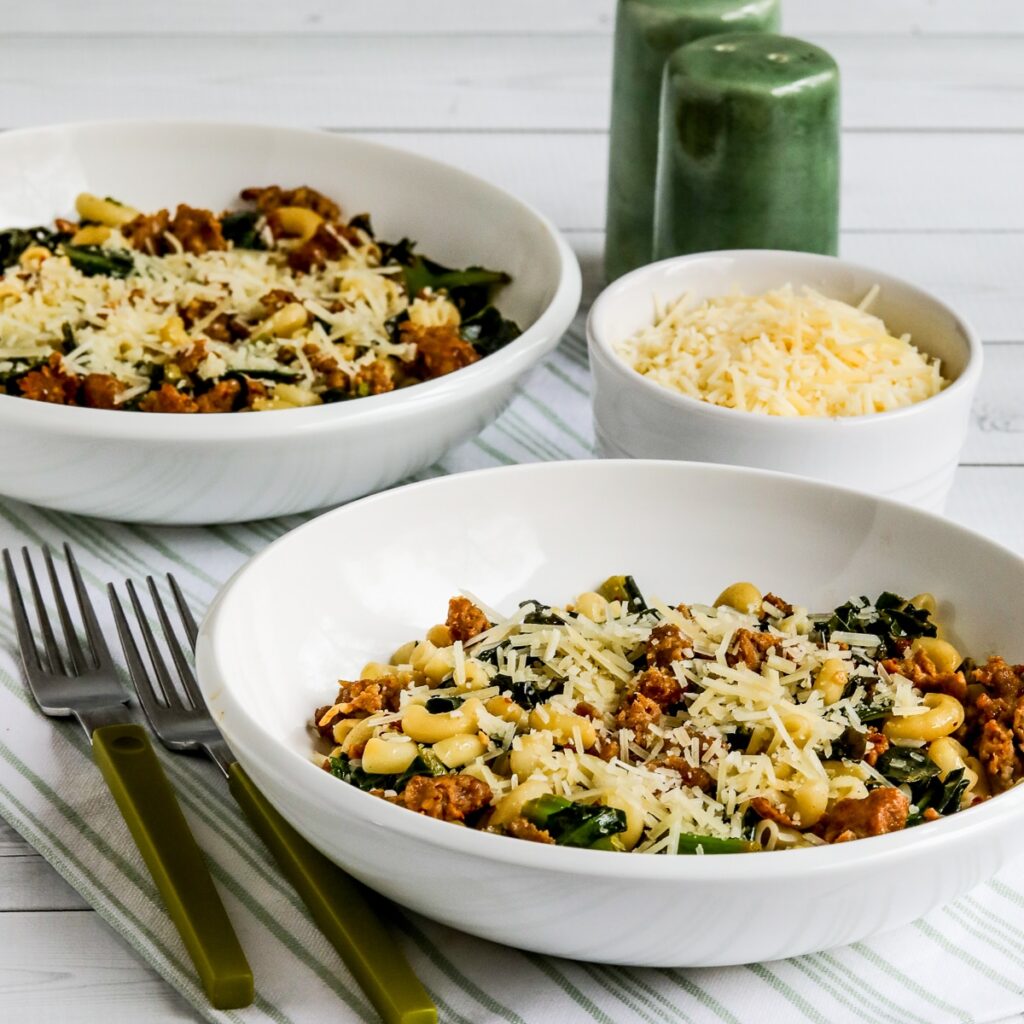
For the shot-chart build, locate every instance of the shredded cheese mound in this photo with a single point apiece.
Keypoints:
(782, 353)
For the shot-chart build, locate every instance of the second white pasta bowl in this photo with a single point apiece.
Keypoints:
(909, 454)
(314, 607)
(167, 468)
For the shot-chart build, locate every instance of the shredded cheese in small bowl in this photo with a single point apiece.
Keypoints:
(784, 352)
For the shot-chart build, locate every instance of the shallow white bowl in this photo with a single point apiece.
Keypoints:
(205, 469)
(909, 454)
(318, 604)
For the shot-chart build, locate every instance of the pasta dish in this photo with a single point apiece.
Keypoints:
(620, 722)
(280, 304)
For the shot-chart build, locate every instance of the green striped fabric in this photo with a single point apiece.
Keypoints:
(963, 963)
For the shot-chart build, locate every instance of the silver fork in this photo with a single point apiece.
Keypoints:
(84, 684)
(338, 904)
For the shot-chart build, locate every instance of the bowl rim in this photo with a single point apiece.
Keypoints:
(419, 398)
(599, 344)
(244, 734)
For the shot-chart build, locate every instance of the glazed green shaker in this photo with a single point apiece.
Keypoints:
(646, 33)
(749, 147)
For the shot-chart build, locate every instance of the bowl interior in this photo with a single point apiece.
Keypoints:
(629, 303)
(456, 218)
(356, 583)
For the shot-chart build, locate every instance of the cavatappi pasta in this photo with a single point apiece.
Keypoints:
(281, 304)
(619, 722)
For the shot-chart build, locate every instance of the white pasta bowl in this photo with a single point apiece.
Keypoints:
(909, 454)
(319, 603)
(166, 468)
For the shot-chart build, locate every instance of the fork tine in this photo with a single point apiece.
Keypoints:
(188, 680)
(133, 656)
(100, 651)
(75, 652)
(55, 664)
(170, 693)
(29, 651)
(191, 629)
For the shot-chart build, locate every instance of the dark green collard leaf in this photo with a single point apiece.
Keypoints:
(526, 693)
(625, 589)
(892, 619)
(468, 288)
(14, 241)
(94, 259)
(427, 763)
(442, 705)
(574, 824)
(240, 229)
(488, 331)
(540, 614)
(713, 844)
(874, 710)
(906, 764)
(943, 796)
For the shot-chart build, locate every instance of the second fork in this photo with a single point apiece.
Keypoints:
(337, 903)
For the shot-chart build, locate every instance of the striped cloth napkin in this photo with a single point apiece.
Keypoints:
(963, 963)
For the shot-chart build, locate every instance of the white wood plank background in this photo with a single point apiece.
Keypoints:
(933, 111)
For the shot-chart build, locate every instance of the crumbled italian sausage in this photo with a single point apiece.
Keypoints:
(882, 810)
(522, 828)
(661, 687)
(50, 383)
(439, 350)
(447, 797)
(750, 648)
(465, 620)
(665, 645)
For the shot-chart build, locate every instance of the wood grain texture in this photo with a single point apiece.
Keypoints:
(72, 968)
(486, 82)
(458, 17)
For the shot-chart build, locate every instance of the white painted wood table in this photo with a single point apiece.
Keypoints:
(933, 110)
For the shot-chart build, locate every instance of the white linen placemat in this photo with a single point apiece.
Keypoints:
(963, 963)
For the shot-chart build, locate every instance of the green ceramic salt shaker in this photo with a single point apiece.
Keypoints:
(646, 33)
(749, 150)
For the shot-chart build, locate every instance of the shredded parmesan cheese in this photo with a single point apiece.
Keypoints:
(783, 354)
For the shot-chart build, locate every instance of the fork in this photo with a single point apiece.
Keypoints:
(338, 904)
(84, 684)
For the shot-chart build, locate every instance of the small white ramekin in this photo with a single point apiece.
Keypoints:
(909, 454)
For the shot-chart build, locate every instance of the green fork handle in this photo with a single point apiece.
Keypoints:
(340, 909)
(150, 809)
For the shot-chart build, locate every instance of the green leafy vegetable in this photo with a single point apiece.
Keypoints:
(525, 692)
(623, 588)
(426, 763)
(441, 705)
(240, 229)
(539, 614)
(488, 331)
(906, 764)
(575, 824)
(432, 764)
(689, 843)
(469, 288)
(890, 617)
(873, 710)
(94, 259)
(943, 796)
(361, 221)
(14, 241)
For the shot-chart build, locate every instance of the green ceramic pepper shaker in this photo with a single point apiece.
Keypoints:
(646, 33)
(749, 147)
